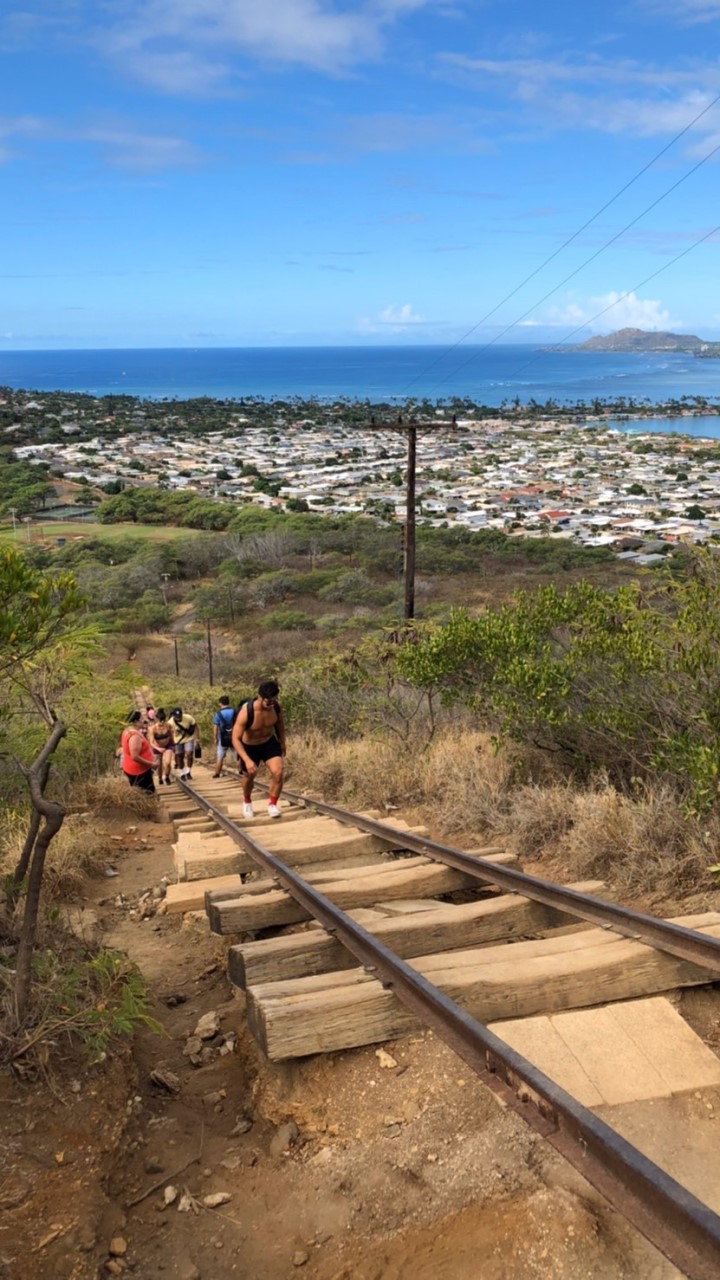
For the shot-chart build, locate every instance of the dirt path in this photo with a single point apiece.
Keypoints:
(394, 1165)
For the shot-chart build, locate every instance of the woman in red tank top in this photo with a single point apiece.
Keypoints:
(138, 759)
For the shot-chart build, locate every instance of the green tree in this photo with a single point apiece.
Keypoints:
(41, 639)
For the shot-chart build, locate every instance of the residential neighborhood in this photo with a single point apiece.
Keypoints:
(638, 493)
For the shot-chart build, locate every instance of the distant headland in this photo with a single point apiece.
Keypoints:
(640, 340)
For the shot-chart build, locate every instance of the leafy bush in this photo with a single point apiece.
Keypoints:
(623, 681)
(288, 620)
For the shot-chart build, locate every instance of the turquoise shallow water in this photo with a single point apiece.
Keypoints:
(704, 424)
(487, 375)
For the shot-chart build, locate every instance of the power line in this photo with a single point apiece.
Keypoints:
(593, 256)
(641, 284)
(569, 241)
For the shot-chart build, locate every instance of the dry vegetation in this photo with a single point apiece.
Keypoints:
(643, 846)
(111, 796)
(81, 847)
(83, 844)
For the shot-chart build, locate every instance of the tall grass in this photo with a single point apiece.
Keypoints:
(81, 847)
(643, 846)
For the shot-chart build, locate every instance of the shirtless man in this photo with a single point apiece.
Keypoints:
(259, 736)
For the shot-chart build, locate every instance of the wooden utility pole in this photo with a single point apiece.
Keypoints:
(409, 538)
(177, 659)
(209, 653)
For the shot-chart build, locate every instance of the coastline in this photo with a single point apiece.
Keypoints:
(493, 375)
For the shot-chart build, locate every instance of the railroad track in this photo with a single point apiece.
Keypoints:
(367, 891)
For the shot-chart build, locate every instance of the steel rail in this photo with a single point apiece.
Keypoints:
(679, 1225)
(677, 940)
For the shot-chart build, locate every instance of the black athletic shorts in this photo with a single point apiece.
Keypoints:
(259, 752)
(142, 780)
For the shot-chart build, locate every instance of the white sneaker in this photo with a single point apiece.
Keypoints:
(182, 773)
(273, 811)
(248, 811)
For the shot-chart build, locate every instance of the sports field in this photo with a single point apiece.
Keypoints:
(50, 531)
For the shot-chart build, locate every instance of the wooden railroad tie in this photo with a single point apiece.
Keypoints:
(347, 1008)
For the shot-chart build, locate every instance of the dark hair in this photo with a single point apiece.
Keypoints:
(160, 713)
(224, 700)
(134, 717)
(149, 706)
(269, 689)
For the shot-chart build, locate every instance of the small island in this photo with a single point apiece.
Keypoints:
(640, 341)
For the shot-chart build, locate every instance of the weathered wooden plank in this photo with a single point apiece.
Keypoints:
(446, 928)
(261, 819)
(344, 1010)
(251, 912)
(215, 897)
(191, 896)
(207, 866)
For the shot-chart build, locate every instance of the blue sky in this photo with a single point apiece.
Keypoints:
(282, 172)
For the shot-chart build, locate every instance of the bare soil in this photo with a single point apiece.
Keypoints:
(365, 1165)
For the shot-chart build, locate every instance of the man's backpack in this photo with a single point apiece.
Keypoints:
(226, 726)
(250, 704)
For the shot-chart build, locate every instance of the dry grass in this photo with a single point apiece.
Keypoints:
(113, 796)
(642, 846)
(81, 847)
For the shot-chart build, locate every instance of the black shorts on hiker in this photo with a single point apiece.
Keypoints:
(259, 752)
(142, 780)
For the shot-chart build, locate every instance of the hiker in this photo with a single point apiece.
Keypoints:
(258, 736)
(187, 737)
(137, 759)
(223, 721)
(162, 741)
(150, 713)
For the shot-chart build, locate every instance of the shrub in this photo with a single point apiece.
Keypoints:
(288, 620)
(625, 681)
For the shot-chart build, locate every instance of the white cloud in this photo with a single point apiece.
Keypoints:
(609, 95)
(183, 46)
(121, 145)
(392, 319)
(609, 311)
(685, 11)
(400, 315)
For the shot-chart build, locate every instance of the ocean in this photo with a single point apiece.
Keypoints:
(487, 375)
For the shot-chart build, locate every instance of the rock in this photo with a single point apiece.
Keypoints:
(207, 1055)
(187, 1202)
(176, 998)
(385, 1059)
(118, 1246)
(165, 1079)
(231, 1163)
(216, 1198)
(214, 1097)
(170, 1195)
(300, 1257)
(243, 1124)
(208, 1026)
(114, 1267)
(188, 1271)
(153, 1165)
(283, 1138)
(193, 1047)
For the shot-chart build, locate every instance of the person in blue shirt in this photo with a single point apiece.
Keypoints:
(223, 721)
